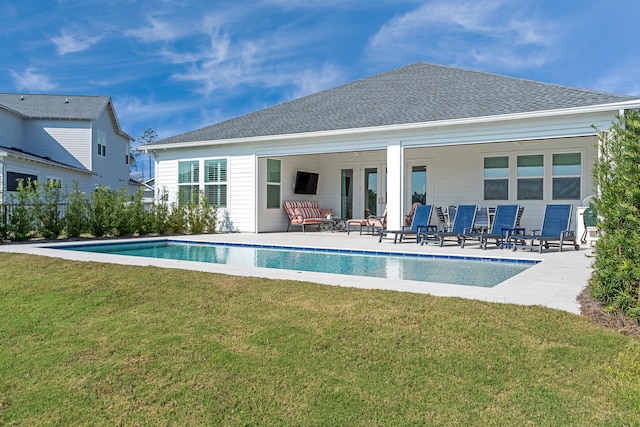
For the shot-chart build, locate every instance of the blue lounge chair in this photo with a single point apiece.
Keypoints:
(555, 230)
(503, 222)
(465, 216)
(420, 222)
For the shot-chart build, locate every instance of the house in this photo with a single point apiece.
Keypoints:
(424, 132)
(62, 139)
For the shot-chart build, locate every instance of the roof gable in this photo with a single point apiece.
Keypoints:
(61, 107)
(416, 93)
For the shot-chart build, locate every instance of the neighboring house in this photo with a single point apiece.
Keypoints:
(61, 138)
(148, 194)
(441, 135)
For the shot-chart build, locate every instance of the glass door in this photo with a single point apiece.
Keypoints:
(375, 195)
(419, 184)
(346, 193)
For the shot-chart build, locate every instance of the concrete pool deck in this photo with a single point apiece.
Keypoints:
(555, 282)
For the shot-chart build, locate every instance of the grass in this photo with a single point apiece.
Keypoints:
(98, 344)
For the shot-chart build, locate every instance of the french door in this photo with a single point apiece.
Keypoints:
(363, 190)
(418, 184)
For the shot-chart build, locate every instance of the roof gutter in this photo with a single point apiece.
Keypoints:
(618, 106)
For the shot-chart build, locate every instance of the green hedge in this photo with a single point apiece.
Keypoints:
(36, 211)
(616, 277)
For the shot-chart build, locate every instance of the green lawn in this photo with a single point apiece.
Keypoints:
(98, 344)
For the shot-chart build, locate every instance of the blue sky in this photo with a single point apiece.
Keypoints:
(178, 65)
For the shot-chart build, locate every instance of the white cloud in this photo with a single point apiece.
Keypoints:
(68, 43)
(489, 31)
(625, 81)
(148, 109)
(227, 61)
(312, 81)
(159, 30)
(32, 81)
(221, 63)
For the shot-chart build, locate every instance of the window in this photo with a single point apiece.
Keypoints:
(102, 144)
(188, 178)
(566, 171)
(496, 178)
(54, 182)
(273, 184)
(215, 179)
(14, 177)
(531, 177)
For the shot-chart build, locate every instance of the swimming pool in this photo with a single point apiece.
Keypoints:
(457, 270)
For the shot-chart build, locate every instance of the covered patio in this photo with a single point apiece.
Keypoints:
(529, 173)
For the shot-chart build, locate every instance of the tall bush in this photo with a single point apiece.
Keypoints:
(108, 212)
(176, 218)
(76, 218)
(616, 277)
(22, 215)
(50, 221)
(142, 221)
(159, 216)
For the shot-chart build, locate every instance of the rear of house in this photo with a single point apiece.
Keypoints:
(427, 133)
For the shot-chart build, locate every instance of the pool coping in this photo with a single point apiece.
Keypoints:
(554, 282)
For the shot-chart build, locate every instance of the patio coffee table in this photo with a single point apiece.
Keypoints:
(334, 224)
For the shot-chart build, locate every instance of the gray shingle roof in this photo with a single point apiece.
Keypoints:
(55, 106)
(63, 107)
(416, 93)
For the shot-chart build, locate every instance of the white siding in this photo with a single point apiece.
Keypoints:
(240, 212)
(455, 155)
(63, 141)
(110, 170)
(458, 172)
(242, 196)
(11, 130)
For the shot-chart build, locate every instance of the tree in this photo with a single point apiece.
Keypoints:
(138, 158)
(616, 277)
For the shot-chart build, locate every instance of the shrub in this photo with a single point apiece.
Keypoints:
(176, 218)
(140, 221)
(201, 217)
(76, 218)
(616, 277)
(108, 213)
(22, 215)
(159, 216)
(48, 210)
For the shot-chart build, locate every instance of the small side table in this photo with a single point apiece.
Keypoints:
(334, 224)
(509, 237)
(327, 225)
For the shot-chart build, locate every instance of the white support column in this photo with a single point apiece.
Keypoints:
(395, 183)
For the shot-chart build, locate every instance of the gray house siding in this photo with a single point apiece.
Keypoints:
(110, 170)
(62, 141)
(55, 136)
(45, 172)
(11, 130)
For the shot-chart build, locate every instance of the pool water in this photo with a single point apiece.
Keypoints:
(467, 271)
